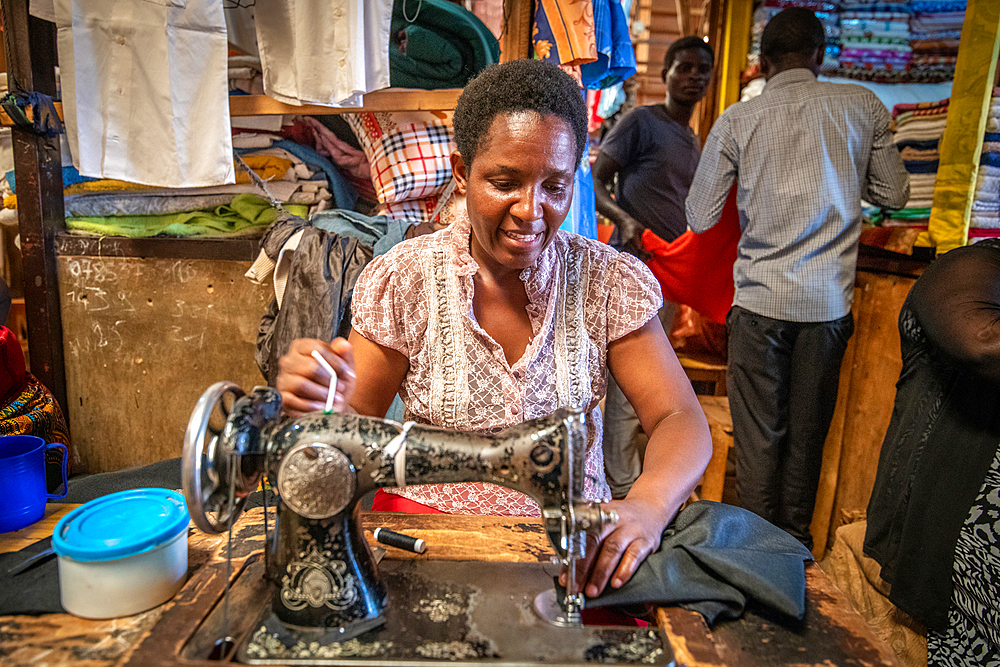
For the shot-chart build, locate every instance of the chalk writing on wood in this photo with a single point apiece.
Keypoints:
(100, 291)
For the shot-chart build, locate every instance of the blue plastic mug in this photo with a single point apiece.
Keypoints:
(22, 478)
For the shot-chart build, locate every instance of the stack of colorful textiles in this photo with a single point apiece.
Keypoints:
(875, 41)
(315, 167)
(826, 12)
(245, 75)
(984, 221)
(294, 162)
(918, 129)
(935, 29)
(109, 207)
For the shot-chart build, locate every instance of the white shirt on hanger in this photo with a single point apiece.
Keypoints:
(145, 89)
(327, 53)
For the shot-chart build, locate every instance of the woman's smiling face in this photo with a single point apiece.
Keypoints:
(518, 188)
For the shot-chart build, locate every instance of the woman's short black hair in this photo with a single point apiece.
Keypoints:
(512, 87)
(683, 44)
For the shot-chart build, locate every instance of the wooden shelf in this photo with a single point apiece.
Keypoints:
(388, 99)
(5, 120)
(237, 248)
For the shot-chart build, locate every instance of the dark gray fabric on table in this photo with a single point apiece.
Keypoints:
(714, 558)
(34, 591)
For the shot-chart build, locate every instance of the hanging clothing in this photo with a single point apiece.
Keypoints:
(315, 289)
(144, 89)
(564, 32)
(328, 53)
(615, 53)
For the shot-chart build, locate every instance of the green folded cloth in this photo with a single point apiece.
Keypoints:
(443, 47)
(882, 215)
(247, 214)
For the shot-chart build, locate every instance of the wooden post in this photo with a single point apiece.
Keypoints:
(684, 24)
(515, 43)
(30, 45)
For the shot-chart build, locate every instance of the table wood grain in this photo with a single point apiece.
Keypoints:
(831, 635)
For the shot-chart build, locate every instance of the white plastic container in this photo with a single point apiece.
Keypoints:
(123, 553)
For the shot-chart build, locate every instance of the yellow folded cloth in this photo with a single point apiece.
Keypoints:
(265, 166)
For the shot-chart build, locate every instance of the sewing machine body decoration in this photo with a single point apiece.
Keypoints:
(320, 566)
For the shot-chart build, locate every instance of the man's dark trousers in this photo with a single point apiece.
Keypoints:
(782, 382)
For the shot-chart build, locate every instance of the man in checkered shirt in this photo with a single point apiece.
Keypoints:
(803, 154)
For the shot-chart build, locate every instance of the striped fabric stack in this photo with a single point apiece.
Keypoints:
(918, 129)
(985, 218)
(875, 41)
(935, 28)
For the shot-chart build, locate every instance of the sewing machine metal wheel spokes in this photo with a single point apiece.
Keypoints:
(329, 599)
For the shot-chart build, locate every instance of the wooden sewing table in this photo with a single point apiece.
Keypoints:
(832, 633)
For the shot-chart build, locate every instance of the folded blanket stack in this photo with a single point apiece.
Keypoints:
(826, 11)
(322, 171)
(302, 164)
(935, 28)
(245, 75)
(918, 128)
(874, 41)
(984, 219)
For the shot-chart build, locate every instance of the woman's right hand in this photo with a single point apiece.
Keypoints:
(304, 383)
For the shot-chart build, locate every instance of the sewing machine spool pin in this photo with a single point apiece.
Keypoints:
(318, 562)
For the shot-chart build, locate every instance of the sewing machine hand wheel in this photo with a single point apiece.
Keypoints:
(206, 472)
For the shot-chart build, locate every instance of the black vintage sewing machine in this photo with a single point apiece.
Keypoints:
(330, 603)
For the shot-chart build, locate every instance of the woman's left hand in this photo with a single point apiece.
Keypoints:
(618, 551)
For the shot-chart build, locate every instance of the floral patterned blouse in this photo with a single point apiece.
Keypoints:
(417, 299)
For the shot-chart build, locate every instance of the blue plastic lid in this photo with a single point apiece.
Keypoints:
(121, 524)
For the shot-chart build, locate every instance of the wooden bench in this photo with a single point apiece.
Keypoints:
(703, 369)
(720, 424)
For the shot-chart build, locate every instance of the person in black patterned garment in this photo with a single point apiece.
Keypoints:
(934, 514)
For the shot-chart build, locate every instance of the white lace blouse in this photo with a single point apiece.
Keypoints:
(417, 299)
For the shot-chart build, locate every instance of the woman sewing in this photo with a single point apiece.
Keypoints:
(502, 318)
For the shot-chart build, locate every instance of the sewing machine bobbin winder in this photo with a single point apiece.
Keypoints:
(331, 603)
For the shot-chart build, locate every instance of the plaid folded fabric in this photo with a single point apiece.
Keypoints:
(919, 36)
(880, 35)
(409, 153)
(909, 153)
(934, 6)
(904, 107)
(874, 16)
(904, 119)
(862, 25)
(936, 22)
(876, 7)
(920, 60)
(812, 5)
(419, 211)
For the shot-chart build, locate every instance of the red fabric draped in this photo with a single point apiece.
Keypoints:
(697, 269)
